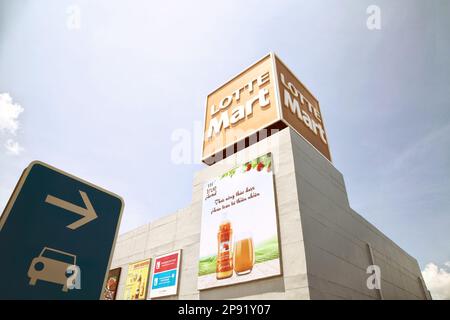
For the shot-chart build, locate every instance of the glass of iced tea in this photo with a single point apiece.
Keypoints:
(244, 254)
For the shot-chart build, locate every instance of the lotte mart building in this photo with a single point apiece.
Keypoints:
(269, 217)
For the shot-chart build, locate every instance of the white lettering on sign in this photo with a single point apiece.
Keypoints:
(297, 103)
(243, 110)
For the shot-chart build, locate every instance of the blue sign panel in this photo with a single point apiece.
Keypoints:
(164, 279)
(57, 236)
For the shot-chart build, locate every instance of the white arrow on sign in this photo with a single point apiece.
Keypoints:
(88, 213)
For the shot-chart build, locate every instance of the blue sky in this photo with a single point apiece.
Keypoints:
(102, 101)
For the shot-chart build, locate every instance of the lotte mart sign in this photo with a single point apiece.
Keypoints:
(265, 95)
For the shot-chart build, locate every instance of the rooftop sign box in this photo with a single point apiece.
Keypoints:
(264, 96)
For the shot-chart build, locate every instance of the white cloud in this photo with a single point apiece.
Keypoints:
(9, 122)
(437, 280)
(9, 114)
(13, 147)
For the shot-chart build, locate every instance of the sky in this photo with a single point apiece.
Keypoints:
(102, 89)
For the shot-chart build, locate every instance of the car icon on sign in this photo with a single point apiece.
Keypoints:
(51, 265)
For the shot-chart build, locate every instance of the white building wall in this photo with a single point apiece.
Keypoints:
(323, 242)
(337, 238)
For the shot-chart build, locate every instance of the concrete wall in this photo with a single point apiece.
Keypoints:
(323, 242)
(180, 230)
(337, 239)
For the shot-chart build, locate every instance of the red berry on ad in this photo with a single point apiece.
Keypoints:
(260, 166)
(249, 166)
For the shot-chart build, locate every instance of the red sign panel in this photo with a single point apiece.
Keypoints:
(166, 263)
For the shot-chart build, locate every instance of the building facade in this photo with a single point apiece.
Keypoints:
(325, 246)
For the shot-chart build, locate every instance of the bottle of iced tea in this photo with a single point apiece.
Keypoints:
(224, 266)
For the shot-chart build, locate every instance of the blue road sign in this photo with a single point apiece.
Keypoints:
(57, 236)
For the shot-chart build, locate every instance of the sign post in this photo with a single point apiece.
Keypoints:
(57, 236)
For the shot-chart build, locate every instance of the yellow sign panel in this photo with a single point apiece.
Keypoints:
(137, 278)
(264, 96)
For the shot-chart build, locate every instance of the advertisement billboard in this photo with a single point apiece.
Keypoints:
(239, 233)
(137, 280)
(165, 275)
(112, 282)
(267, 95)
